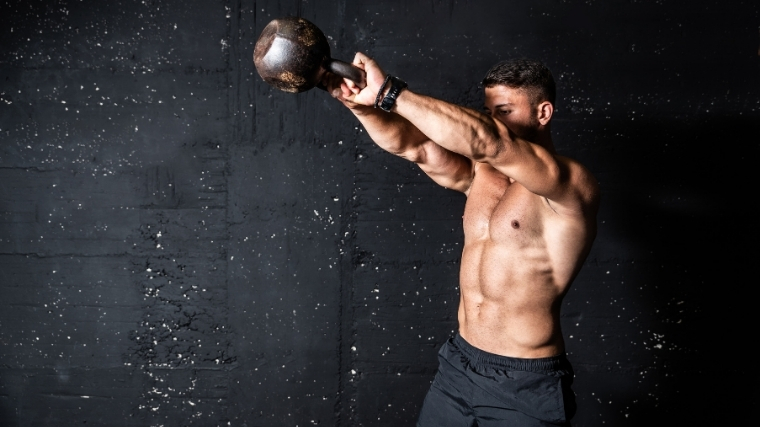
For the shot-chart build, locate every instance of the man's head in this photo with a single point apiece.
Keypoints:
(529, 75)
(520, 93)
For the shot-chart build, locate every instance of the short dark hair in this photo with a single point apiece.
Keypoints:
(527, 74)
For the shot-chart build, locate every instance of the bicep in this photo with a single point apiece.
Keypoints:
(446, 168)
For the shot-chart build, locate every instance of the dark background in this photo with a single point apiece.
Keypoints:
(181, 244)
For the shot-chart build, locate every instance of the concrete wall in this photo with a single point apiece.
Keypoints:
(182, 245)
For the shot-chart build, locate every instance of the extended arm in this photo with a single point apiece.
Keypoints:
(514, 138)
(398, 136)
(483, 139)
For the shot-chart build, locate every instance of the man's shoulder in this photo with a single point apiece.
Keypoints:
(575, 172)
(581, 188)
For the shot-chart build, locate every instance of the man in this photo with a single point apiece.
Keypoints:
(529, 222)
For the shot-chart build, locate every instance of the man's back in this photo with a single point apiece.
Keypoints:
(520, 255)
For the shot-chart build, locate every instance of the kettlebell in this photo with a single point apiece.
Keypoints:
(292, 54)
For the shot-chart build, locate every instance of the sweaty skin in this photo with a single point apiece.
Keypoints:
(530, 216)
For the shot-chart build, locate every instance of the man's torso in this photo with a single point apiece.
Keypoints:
(520, 256)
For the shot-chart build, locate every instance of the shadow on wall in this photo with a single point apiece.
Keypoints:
(675, 247)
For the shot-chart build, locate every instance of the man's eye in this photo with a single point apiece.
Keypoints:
(503, 112)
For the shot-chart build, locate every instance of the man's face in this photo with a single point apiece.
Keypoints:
(513, 107)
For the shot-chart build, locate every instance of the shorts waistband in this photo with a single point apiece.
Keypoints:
(480, 357)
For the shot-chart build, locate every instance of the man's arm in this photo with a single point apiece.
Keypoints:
(481, 138)
(398, 136)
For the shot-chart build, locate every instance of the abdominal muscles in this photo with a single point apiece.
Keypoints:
(509, 299)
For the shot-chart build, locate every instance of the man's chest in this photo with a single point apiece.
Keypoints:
(502, 211)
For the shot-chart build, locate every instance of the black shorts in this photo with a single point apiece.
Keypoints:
(476, 388)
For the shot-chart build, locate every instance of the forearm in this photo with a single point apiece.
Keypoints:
(389, 131)
(458, 129)
(398, 135)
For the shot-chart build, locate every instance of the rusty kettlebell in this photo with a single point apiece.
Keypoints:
(292, 54)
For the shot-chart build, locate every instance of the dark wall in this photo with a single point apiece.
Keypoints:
(181, 244)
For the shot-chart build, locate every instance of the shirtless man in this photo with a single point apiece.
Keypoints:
(529, 222)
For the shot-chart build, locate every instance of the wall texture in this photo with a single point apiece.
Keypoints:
(182, 245)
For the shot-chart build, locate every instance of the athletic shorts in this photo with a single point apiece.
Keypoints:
(476, 388)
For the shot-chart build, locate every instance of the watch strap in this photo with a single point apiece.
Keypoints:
(397, 85)
(382, 89)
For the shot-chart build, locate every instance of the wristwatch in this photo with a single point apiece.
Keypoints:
(397, 85)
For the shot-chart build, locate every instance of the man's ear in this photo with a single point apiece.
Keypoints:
(545, 111)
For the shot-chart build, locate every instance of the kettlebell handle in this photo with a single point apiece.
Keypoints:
(347, 71)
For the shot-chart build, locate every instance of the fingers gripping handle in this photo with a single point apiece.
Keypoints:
(348, 71)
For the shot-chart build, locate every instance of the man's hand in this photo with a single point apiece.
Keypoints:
(346, 91)
(375, 78)
(337, 88)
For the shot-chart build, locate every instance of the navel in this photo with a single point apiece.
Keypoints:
(515, 224)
